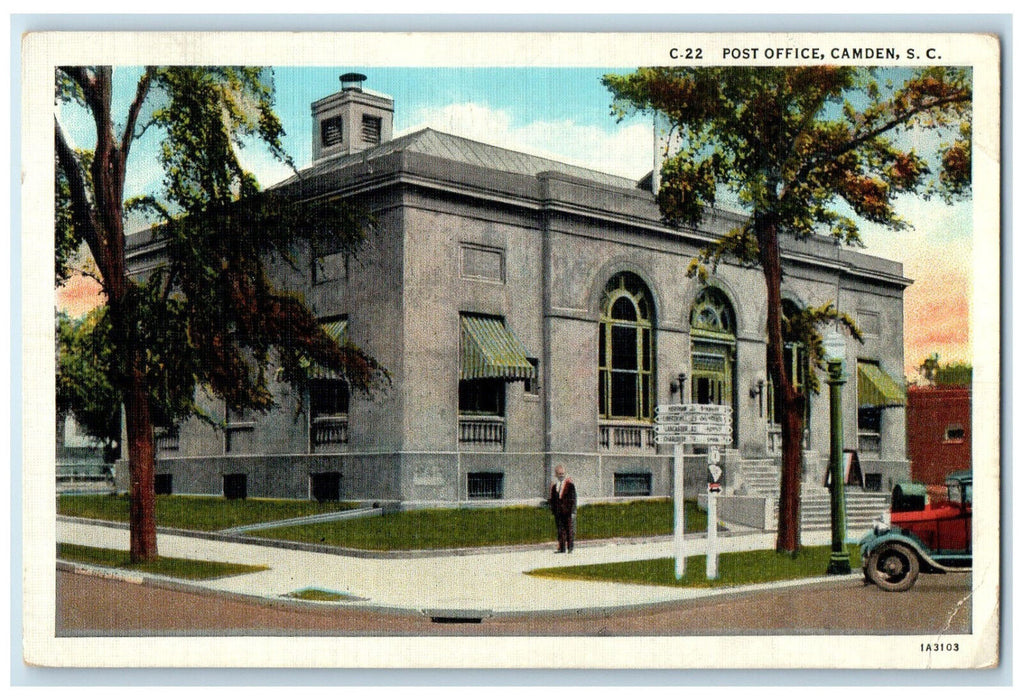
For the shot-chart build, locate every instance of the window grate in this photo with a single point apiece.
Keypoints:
(486, 485)
(632, 484)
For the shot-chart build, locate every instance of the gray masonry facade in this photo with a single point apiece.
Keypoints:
(587, 282)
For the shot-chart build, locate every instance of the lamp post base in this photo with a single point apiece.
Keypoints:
(839, 564)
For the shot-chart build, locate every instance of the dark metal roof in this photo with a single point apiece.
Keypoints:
(461, 150)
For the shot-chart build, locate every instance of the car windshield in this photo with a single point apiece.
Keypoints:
(959, 492)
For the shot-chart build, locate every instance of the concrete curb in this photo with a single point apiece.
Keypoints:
(696, 595)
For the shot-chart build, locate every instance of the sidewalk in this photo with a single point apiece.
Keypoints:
(487, 582)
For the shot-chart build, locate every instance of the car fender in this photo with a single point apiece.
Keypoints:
(871, 543)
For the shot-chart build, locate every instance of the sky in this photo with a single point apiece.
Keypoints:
(564, 113)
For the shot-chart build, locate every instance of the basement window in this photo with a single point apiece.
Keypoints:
(632, 484)
(486, 485)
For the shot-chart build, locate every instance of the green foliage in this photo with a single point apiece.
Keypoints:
(734, 569)
(802, 326)
(203, 513)
(949, 374)
(321, 596)
(193, 569)
(793, 140)
(84, 368)
(210, 315)
(442, 528)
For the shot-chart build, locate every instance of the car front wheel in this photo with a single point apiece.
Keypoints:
(893, 567)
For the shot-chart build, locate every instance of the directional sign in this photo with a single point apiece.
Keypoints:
(693, 419)
(694, 429)
(691, 408)
(676, 439)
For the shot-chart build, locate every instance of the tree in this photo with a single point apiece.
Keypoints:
(948, 374)
(83, 377)
(210, 315)
(805, 149)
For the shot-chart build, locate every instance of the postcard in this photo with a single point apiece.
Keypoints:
(499, 350)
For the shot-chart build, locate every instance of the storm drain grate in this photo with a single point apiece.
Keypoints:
(445, 616)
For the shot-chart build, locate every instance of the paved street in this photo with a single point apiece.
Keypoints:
(90, 605)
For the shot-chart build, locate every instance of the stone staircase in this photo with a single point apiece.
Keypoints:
(761, 477)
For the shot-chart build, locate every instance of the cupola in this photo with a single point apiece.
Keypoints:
(351, 120)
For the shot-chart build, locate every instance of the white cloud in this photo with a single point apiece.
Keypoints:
(627, 152)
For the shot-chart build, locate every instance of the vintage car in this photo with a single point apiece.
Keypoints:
(920, 535)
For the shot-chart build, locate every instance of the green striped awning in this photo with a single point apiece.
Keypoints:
(491, 351)
(877, 389)
(336, 330)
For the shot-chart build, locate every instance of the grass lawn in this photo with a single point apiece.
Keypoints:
(165, 566)
(206, 513)
(734, 569)
(443, 528)
(321, 596)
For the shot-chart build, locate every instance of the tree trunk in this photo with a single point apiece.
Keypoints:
(141, 470)
(791, 402)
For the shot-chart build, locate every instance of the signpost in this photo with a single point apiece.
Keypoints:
(707, 425)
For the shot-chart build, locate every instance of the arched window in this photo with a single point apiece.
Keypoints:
(712, 337)
(626, 359)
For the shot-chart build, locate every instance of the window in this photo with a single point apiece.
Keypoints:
(330, 131)
(325, 486)
(625, 351)
(876, 390)
(328, 397)
(481, 397)
(235, 486)
(712, 351)
(630, 484)
(485, 485)
(163, 484)
(955, 433)
(371, 129)
(532, 386)
(490, 357)
(168, 439)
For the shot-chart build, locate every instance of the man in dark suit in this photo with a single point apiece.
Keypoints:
(563, 504)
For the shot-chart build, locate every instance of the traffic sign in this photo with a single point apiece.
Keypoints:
(694, 429)
(691, 408)
(675, 438)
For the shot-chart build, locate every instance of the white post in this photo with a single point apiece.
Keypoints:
(712, 535)
(680, 513)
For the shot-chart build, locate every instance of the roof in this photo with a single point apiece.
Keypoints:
(461, 150)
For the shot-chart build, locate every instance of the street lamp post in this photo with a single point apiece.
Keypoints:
(834, 353)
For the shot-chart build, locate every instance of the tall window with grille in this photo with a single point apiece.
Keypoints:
(625, 354)
(712, 352)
